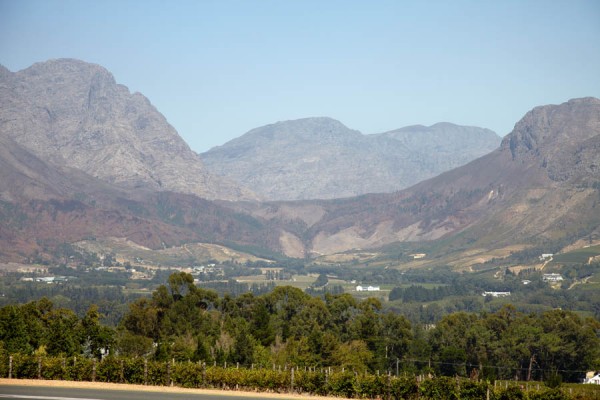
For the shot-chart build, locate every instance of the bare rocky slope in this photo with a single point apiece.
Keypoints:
(320, 158)
(541, 185)
(43, 206)
(72, 113)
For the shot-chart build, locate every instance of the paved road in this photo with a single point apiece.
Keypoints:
(58, 393)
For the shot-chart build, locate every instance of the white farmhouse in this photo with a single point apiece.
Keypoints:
(496, 294)
(552, 278)
(367, 288)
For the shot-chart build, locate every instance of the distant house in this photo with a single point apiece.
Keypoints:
(592, 379)
(546, 256)
(496, 294)
(45, 279)
(525, 281)
(552, 278)
(367, 289)
(418, 256)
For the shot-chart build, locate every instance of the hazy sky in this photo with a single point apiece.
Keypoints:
(217, 69)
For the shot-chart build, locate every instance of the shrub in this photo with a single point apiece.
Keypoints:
(550, 394)
(24, 366)
(109, 370)
(310, 382)
(470, 390)
(187, 374)
(342, 384)
(511, 393)
(440, 388)
(80, 369)
(404, 388)
(133, 371)
(55, 368)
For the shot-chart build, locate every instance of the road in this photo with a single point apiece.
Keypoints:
(10, 391)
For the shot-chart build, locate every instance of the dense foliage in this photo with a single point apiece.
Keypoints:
(289, 328)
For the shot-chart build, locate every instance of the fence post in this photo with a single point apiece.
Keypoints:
(203, 374)
(168, 373)
(122, 376)
(292, 380)
(10, 360)
(93, 370)
(145, 371)
(40, 367)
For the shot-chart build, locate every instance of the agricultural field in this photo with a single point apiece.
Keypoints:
(579, 256)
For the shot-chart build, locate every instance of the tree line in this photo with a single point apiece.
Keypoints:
(289, 328)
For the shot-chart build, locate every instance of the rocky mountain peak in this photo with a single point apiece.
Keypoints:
(74, 113)
(4, 71)
(315, 129)
(546, 130)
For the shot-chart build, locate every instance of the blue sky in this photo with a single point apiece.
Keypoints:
(217, 69)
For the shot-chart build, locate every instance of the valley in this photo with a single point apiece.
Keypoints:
(302, 242)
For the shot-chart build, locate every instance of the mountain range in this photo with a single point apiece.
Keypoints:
(320, 158)
(90, 160)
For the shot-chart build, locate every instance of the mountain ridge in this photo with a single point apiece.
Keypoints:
(321, 158)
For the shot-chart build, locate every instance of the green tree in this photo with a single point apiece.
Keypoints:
(62, 333)
(354, 355)
(95, 337)
(321, 281)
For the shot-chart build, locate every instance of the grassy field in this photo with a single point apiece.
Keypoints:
(579, 256)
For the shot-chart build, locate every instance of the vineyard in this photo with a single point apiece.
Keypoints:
(319, 381)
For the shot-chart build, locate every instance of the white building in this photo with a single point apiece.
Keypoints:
(552, 277)
(367, 289)
(496, 294)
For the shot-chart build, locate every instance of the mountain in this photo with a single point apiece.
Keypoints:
(320, 158)
(540, 186)
(78, 162)
(448, 145)
(72, 113)
(43, 206)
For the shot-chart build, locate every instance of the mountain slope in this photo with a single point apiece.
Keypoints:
(43, 206)
(541, 185)
(316, 158)
(74, 114)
